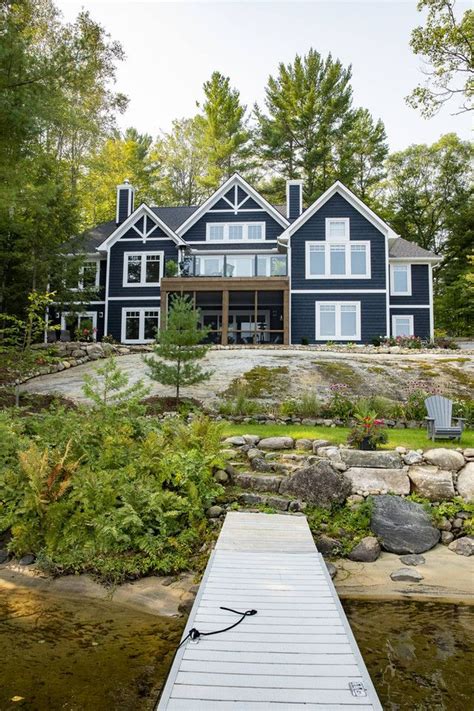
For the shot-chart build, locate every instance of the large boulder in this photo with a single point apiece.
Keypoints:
(235, 441)
(432, 483)
(320, 484)
(276, 443)
(465, 482)
(445, 458)
(367, 481)
(375, 460)
(366, 551)
(406, 575)
(402, 526)
(463, 546)
(258, 483)
(412, 457)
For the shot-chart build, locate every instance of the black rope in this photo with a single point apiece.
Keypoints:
(194, 634)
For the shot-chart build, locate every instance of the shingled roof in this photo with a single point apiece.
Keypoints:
(404, 249)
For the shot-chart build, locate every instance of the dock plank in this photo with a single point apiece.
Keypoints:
(298, 652)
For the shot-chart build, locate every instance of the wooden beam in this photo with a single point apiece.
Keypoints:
(225, 317)
(181, 284)
(255, 312)
(163, 309)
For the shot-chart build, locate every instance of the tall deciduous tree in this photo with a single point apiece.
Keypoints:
(121, 156)
(307, 112)
(446, 42)
(425, 185)
(182, 163)
(178, 348)
(225, 137)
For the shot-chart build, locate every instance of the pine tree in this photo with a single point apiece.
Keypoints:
(225, 136)
(180, 344)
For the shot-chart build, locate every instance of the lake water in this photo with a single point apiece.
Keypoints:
(89, 655)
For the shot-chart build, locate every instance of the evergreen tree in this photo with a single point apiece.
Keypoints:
(225, 137)
(361, 155)
(180, 343)
(307, 113)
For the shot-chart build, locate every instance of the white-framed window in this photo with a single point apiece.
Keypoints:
(338, 321)
(142, 268)
(80, 325)
(400, 279)
(235, 231)
(337, 228)
(140, 325)
(89, 274)
(403, 325)
(209, 265)
(338, 260)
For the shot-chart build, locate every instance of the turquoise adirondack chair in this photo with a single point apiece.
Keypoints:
(440, 420)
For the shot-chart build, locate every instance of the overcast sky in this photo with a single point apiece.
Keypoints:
(173, 47)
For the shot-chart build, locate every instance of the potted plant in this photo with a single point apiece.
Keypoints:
(368, 431)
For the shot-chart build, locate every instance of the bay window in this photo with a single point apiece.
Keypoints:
(400, 279)
(338, 320)
(142, 268)
(338, 260)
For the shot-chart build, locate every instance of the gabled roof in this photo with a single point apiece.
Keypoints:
(235, 179)
(404, 249)
(131, 219)
(348, 195)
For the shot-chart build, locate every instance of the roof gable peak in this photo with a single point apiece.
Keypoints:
(141, 211)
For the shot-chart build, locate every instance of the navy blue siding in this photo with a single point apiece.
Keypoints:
(420, 287)
(116, 256)
(262, 246)
(123, 198)
(198, 231)
(114, 323)
(421, 320)
(373, 315)
(294, 195)
(314, 229)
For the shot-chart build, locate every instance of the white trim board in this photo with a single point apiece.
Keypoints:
(341, 292)
(409, 306)
(134, 298)
(235, 180)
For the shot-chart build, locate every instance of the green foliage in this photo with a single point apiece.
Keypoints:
(171, 268)
(180, 344)
(117, 498)
(367, 429)
(341, 406)
(112, 390)
(447, 509)
(240, 405)
(347, 524)
(306, 406)
(260, 381)
(445, 43)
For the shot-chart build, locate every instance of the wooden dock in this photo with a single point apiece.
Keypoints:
(297, 654)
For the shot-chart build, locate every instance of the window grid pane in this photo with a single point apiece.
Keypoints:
(153, 268)
(338, 259)
(400, 279)
(134, 262)
(216, 232)
(254, 232)
(132, 325)
(317, 259)
(235, 232)
(358, 259)
(337, 228)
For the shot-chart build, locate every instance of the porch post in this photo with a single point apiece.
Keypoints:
(225, 316)
(286, 317)
(255, 314)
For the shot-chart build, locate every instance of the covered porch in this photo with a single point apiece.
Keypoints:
(236, 310)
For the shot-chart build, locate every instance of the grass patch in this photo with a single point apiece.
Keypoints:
(377, 369)
(460, 376)
(412, 439)
(348, 525)
(260, 381)
(338, 372)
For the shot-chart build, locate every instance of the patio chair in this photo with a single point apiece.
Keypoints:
(440, 421)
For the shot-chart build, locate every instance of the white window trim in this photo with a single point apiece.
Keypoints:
(143, 256)
(346, 221)
(141, 328)
(410, 319)
(392, 280)
(337, 336)
(327, 263)
(226, 225)
(88, 314)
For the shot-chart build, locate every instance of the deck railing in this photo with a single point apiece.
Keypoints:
(239, 265)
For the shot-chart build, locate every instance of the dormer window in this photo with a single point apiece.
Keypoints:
(337, 228)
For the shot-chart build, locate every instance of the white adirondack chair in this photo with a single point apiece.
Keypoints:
(440, 421)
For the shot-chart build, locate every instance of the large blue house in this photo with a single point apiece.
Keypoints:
(258, 273)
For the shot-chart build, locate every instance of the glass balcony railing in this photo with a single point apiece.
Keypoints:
(242, 265)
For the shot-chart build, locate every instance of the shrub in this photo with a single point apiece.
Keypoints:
(340, 405)
(368, 430)
(239, 406)
(349, 525)
(116, 497)
(306, 406)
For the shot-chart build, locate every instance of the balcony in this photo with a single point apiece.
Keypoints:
(227, 266)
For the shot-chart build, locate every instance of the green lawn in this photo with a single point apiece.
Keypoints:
(412, 439)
